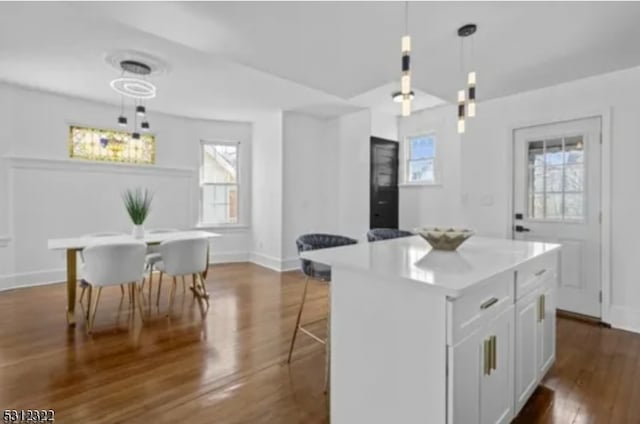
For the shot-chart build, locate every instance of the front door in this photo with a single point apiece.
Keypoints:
(557, 179)
(383, 211)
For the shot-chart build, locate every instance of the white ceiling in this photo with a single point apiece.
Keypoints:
(323, 58)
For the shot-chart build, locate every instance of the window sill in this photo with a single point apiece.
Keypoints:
(420, 185)
(219, 227)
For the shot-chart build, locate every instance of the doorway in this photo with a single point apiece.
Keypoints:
(383, 209)
(557, 175)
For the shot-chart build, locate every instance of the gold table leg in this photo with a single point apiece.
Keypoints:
(206, 271)
(71, 287)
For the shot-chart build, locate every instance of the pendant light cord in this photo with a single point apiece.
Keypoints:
(406, 17)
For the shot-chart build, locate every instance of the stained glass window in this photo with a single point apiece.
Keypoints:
(111, 146)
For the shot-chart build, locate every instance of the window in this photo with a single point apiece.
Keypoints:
(556, 183)
(111, 146)
(420, 165)
(219, 184)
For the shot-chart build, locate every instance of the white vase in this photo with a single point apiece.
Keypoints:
(138, 231)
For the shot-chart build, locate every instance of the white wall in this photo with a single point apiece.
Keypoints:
(310, 180)
(384, 125)
(46, 195)
(354, 132)
(267, 168)
(437, 204)
(485, 167)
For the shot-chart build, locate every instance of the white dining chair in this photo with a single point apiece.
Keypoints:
(154, 256)
(183, 257)
(110, 264)
(83, 284)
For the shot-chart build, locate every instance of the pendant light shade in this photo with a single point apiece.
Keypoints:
(461, 123)
(140, 110)
(471, 105)
(144, 125)
(405, 79)
(466, 106)
(405, 95)
(135, 136)
(122, 121)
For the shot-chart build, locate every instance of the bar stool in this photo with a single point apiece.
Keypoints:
(321, 272)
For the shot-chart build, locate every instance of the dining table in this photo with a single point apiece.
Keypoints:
(73, 245)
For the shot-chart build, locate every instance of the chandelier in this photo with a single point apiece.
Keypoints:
(133, 84)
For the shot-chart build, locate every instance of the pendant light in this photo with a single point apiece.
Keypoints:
(405, 79)
(467, 95)
(133, 84)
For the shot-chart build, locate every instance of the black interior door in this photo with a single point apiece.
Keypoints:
(384, 184)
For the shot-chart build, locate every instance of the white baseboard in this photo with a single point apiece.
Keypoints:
(625, 318)
(290, 264)
(228, 257)
(40, 278)
(30, 279)
(266, 261)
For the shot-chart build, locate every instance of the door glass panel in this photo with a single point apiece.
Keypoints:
(536, 153)
(556, 179)
(574, 178)
(574, 206)
(553, 152)
(553, 206)
(574, 150)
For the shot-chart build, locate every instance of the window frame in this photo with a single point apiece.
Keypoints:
(202, 184)
(406, 157)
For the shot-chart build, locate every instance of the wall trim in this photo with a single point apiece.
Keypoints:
(32, 279)
(266, 261)
(624, 318)
(290, 264)
(4, 241)
(78, 165)
(228, 257)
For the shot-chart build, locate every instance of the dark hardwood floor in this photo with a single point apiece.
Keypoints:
(230, 368)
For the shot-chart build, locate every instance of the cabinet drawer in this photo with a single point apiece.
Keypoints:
(534, 272)
(467, 313)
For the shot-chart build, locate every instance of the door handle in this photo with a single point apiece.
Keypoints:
(521, 229)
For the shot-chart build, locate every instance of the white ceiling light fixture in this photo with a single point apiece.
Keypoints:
(405, 94)
(466, 97)
(137, 88)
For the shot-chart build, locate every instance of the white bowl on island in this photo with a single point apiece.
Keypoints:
(445, 238)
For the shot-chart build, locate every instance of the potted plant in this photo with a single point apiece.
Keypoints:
(138, 204)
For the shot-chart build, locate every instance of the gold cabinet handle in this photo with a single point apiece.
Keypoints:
(540, 311)
(487, 357)
(539, 273)
(494, 352)
(489, 303)
(544, 306)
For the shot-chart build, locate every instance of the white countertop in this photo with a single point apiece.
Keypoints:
(149, 238)
(412, 258)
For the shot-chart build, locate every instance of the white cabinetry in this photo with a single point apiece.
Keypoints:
(535, 342)
(481, 374)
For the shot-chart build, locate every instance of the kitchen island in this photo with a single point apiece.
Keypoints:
(425, 336)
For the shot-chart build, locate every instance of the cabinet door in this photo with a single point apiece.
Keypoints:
(528, 354)
(496, 387)
(465, 371)
(547, 330)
